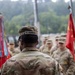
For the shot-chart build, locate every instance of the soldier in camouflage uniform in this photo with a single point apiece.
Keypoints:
(56, 45)
(30, 61)
(47, 49)
(64, 57)
(18, 48)
(12, 50)
(44, 44)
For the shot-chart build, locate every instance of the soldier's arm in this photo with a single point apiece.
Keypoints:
(4, 69)
(8, 68)
(52, 55)
(41, 48)
(58, 68)
(71, 65)
(52, 51)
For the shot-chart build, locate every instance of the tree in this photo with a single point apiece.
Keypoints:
(52, 15)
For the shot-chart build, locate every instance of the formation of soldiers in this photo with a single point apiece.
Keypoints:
(60, 53)
(27, 59)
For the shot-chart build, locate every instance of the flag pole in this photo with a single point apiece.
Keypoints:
(36, 18)
(71, 2)
(71, 5)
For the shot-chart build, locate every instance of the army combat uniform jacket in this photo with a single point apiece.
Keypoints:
(66, 61)
(13, 52)
(30, 62)
(47, 51)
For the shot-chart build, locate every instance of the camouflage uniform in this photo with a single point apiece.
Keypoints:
(30, 61)
(17, 49)
(46, 51)
(12, 50)
(42, 48)
(48, 47)
(56, 46)
(53, 50)
(65, 59)
(44, 44)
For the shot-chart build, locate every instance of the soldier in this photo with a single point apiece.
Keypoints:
(44, 44)
(11, 49)
(47, 49)
(29, 61)
(64, 57)
(18, 48)
(56, 45)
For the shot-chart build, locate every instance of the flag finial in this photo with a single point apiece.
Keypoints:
(69, 7)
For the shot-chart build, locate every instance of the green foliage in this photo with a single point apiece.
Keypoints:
(52, 23)
(53, 17)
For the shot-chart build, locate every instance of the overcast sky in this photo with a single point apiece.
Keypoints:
(52, 0)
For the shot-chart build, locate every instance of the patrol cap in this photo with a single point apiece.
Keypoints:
(28, 34)
(49, 41)
(63, 34)
(62, 40)
(45, 38)
(11, 42)
(57, 37)
(28, 30)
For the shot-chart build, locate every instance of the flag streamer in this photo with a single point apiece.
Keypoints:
(3, 46)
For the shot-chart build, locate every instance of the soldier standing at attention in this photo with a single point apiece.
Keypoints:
(56, 45)
(44, 44)
(11, 49)
(29, 61)
(47, 49)
(18, 48)
(64, 57)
